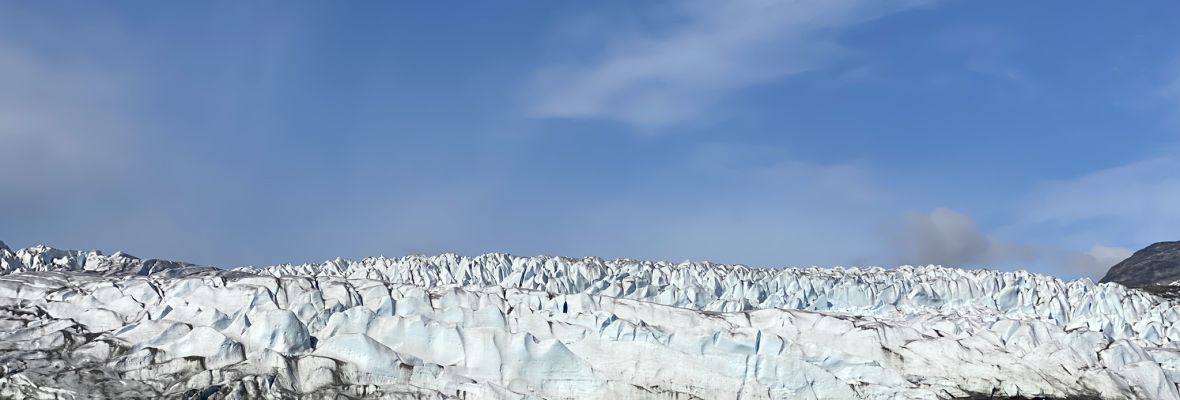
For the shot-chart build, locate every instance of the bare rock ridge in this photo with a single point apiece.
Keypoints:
(80, 325)
(1154, 265)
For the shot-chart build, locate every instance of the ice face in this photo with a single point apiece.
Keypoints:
(83, 324)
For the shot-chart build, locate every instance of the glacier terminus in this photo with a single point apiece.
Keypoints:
(81, 325)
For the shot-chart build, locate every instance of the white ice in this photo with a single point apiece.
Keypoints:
(504, 327)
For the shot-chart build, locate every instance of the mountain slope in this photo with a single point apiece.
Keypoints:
(1157, 264)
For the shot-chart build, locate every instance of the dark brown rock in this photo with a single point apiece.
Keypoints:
(1158, 264)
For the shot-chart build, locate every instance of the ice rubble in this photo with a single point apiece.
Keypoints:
(84, 325)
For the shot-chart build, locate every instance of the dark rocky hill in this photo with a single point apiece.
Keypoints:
(1158, 264)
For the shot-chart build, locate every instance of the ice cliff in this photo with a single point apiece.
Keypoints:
(86, 325)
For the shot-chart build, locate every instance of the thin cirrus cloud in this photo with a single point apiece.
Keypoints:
(655, 78)
(987, 50)
(1136, 202)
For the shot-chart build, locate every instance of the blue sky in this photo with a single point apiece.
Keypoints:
(1037, 135)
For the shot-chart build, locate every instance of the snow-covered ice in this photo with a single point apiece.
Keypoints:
(86, 325)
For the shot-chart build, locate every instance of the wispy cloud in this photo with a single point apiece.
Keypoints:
(657, 77)
(986, 50)
(1135, 202)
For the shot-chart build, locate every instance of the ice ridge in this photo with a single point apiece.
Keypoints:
(85, 325)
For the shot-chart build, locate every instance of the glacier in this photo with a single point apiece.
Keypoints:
(81, 324)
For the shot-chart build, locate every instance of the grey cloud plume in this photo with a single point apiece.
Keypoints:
(951, 238)
(947, 237)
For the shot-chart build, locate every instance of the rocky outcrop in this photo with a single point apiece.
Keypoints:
(1155, 265)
